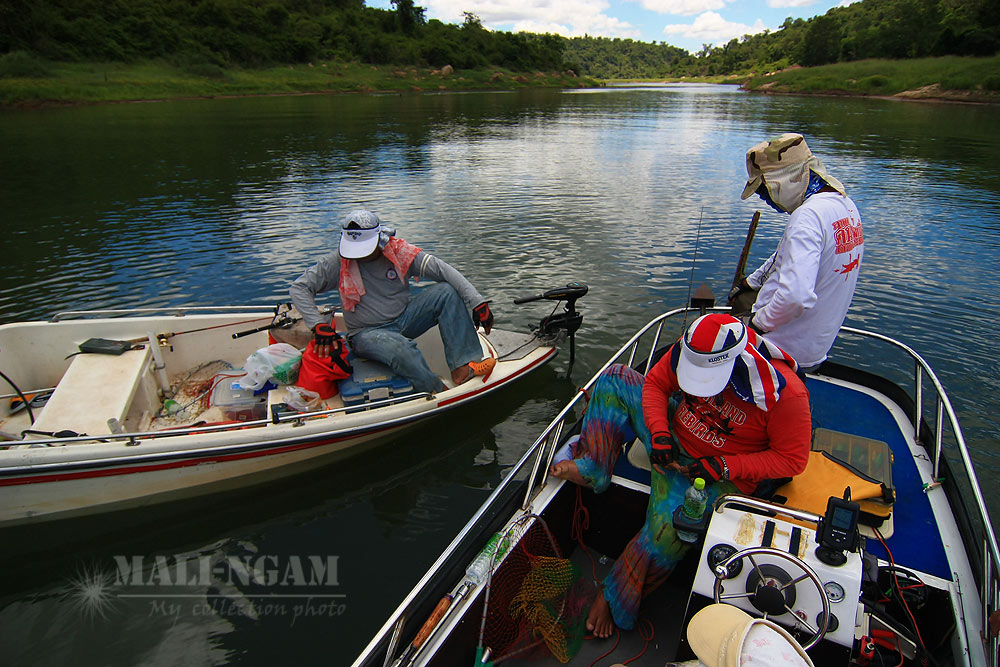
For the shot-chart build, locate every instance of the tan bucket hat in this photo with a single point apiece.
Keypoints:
(722, 635)
(783, 165)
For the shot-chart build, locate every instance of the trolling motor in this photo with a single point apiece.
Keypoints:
(567, 321)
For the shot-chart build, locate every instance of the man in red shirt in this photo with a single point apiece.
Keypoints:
(723, 404)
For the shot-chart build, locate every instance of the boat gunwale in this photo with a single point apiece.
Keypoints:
(320, 436)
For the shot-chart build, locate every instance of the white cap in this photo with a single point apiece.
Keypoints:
(361, 239)
(722, 635)
(709, 349)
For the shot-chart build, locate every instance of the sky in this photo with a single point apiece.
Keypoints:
(688, 24)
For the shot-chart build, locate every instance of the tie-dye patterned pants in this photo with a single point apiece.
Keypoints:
(614, 419)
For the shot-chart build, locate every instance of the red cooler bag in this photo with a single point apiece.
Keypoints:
(321, 374)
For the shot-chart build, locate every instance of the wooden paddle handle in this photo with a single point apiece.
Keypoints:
(741, 266)
(432, 621)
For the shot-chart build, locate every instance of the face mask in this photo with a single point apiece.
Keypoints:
(815, 185)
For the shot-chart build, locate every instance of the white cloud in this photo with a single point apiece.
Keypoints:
(571, 18)
(710, 27)
(789, 3)
(684, 7)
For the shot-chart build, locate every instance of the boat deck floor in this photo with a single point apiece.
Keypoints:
(654, 640)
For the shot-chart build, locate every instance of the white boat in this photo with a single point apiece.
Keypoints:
(91, 432)
(914, 583)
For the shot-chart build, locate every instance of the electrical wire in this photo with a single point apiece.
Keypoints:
(902, 599)
(27, 403)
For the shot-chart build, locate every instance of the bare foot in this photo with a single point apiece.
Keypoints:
(461, 374)
(567, 470)
(473, 369)
(599, 620)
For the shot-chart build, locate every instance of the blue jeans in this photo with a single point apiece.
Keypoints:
(393, 345)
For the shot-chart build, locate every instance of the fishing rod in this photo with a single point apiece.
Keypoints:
(694, 259)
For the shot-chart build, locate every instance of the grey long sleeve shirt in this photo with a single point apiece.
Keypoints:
(385, 295)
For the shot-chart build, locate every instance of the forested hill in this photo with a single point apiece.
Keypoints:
(254, 33)
(870, 29)
(257, 33)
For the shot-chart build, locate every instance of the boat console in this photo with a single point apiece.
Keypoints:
(784, 564)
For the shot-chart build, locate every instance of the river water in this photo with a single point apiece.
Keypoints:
(633, 190)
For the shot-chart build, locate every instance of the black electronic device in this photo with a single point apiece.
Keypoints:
(838, 531)
(105, 346)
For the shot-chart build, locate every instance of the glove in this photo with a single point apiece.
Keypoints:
(741, 287)
(482, 316)
(663, 450)
(710, 468)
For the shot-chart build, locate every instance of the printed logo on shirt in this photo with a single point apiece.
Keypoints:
(850, 266)
(709, 424)
(391, 274)
(848, 236)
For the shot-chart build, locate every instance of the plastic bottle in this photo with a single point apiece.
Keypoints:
(479, 568)
(695, 501)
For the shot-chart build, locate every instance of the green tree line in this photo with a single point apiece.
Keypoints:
(256, 33)
(894, 29)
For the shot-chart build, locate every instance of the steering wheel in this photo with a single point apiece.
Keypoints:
(771, 590)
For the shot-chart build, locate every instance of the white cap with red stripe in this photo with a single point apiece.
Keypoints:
(709, 349)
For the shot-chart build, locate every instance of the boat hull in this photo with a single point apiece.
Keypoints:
(44, 478)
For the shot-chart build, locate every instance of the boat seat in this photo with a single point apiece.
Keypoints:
(94, 389)
(841, 460)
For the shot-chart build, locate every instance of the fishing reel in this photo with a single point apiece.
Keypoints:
(557, 325)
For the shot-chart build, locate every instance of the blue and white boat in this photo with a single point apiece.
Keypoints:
(914, 579)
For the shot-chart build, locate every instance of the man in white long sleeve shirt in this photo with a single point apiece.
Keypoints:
(807, 285)
(371, 270)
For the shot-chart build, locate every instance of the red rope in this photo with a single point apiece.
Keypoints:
(646, 631)
(618, 637)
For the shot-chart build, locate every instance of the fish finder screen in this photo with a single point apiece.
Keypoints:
(843, 519)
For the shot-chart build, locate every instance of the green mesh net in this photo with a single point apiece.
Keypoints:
(538, 602)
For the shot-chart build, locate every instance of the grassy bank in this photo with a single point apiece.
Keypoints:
(950, 78)
(30, 83)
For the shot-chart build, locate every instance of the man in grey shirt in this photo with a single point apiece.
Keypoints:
(371, 271)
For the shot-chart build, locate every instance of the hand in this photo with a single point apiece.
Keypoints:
(709, 468)
(327, 334)
(663, 450)
(482, 316)
(741, 287)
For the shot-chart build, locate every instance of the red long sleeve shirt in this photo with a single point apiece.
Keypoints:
(757, 444)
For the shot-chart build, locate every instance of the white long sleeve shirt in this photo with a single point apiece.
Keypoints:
(807, 285)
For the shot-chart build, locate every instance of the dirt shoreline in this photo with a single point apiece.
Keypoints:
(932, 94)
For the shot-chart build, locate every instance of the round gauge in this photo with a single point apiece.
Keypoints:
(834, 591)
(718, 554)
(832, 626)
